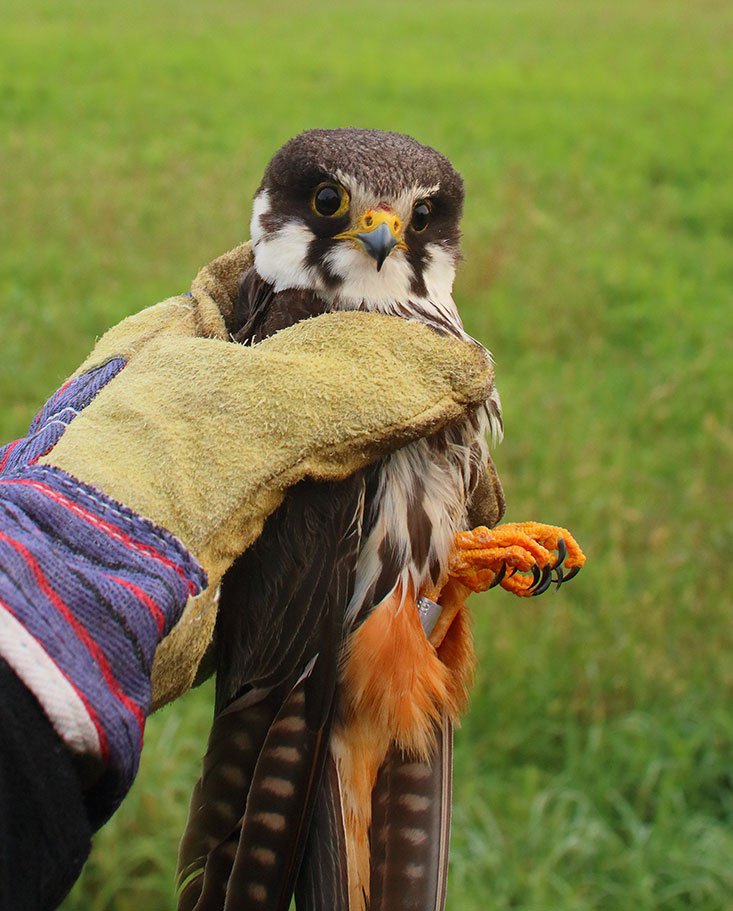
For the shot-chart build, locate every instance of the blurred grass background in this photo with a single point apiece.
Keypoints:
(595, 770)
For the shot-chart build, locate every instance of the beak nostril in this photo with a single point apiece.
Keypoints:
(368, 221)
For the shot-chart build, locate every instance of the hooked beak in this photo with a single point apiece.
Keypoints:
(379, 243)
(379, 232)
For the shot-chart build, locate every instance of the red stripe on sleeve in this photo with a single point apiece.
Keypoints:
(107, 528)
(103, 742)
(143, 596)
(9, 448)
(80, 631)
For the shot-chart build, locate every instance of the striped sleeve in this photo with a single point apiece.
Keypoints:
(88, 589)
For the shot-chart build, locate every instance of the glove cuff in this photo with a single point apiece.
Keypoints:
(87, 590)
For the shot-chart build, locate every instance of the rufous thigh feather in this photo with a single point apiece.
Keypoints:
(395, 689)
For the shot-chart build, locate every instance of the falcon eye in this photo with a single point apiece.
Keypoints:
(420, 216)
(330, 200)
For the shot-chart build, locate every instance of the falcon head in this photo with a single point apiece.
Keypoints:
(361, 217)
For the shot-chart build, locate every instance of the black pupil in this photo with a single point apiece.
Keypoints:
(328, 201)
(420, 216)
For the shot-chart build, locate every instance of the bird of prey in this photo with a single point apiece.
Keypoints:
(328, 769)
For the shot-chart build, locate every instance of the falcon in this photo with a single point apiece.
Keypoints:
(328, 769)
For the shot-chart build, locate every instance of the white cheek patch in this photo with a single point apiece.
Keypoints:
(362, 282)
(260, 207)
(439, 272)
(281, 258)
(281, 255)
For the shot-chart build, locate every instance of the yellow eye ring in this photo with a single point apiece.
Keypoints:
(329, 200)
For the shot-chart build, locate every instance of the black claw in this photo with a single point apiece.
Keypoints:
(499, 577)
(514, 572)
(562, 552)
(572, 574)
(558, 578)
(545, 583)
(536, 577)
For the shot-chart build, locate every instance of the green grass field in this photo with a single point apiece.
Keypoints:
(595, 770)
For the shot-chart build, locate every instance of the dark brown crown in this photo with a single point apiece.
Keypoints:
(386, 163)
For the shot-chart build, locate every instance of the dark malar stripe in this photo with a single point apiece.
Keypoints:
(419, 529)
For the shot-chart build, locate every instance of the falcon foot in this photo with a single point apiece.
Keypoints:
(525, 558)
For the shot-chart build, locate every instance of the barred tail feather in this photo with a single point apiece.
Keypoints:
(410, 830)
(219, 797)
(279, 809)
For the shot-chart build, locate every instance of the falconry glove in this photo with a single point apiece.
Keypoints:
(156, 464)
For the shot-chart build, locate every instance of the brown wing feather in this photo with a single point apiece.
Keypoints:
(281, 611)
